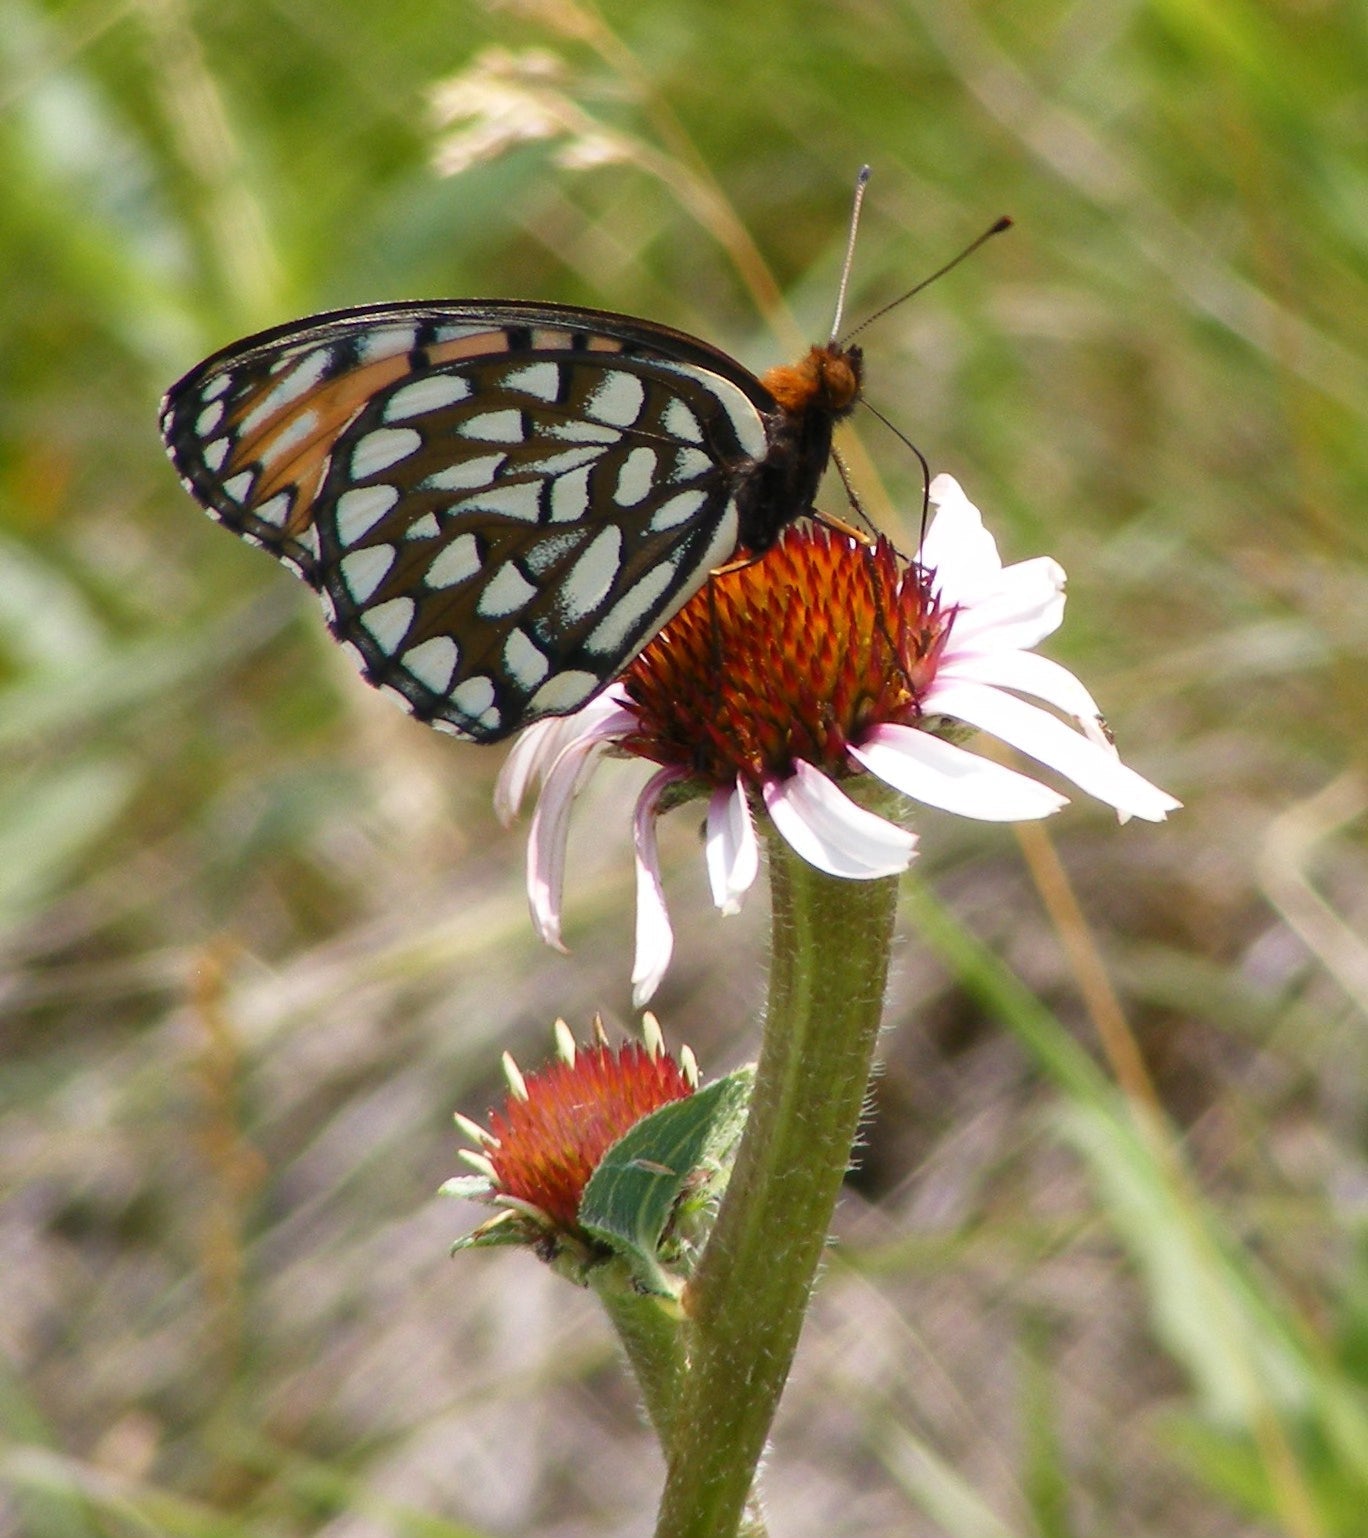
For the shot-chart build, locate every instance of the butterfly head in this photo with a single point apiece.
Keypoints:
(827, 380)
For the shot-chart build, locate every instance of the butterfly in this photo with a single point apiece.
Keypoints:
(500, 502)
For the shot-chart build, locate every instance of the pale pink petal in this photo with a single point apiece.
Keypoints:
(1018, 608)
(524, 764)
(946, 776)
(1029, 674)
(541, 744)
(654, 937)
(957, 546)
(731, 850)
(825, 827)
(546, 838)
(1045, 737)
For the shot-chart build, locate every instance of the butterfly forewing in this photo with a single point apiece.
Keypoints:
(498, 503)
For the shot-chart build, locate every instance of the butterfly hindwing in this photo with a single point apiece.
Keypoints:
(511, 579)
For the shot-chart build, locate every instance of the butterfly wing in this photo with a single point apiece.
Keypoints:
(498, 503)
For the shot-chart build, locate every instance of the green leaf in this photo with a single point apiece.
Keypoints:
(493, 1236)
(633, 1193)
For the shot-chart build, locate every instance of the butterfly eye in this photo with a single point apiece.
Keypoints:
(499, 504)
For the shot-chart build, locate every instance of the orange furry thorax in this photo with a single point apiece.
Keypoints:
(829, 377)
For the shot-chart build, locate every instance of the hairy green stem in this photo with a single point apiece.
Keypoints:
(652, 1337)
(747, 1301)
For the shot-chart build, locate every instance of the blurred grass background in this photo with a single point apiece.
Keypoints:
(261, 934)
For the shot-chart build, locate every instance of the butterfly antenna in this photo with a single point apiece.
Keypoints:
(861, 182)
(1004, 223)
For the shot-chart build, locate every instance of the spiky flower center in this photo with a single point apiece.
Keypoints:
(793, 656)
(549, 1144)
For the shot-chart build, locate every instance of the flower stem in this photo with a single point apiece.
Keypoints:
(652, 1337)
(747, 1300)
